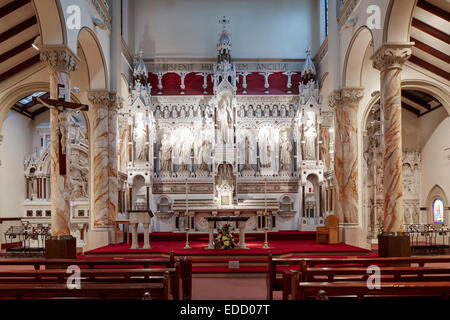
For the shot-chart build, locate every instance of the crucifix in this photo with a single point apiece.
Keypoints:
(61, 105)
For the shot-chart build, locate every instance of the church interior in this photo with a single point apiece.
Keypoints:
(160, 149)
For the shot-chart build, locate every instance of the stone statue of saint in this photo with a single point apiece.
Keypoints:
(225, 121)
(265, 149)
(201, 150)
(184, 154)
(285, 152)
(140, 138)
(166, 154)
(310, 135)
(248, 153)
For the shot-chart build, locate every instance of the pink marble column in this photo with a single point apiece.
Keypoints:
(105, 207)
(113, 188)
(61, 62)
(346, 154)
(389, 60)
(325, 147)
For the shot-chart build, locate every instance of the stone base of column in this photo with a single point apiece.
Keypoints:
(354, 235)
(394, 245)
(61, 247)
(99, 238)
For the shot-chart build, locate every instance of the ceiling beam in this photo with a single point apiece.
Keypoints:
(16, 50)
(12, 6)
(22, 112)
(415, 100)
(411, 109)
(430, 67)
(431, 8)
(20, 67)
(33, 103)
(430, 50)
(39, 111)
(430, 110)
(432, 31)
(18, 28)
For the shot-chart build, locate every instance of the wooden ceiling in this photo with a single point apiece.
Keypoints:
(418, 102)
(30, 108)
(430, 29)
(18, 29)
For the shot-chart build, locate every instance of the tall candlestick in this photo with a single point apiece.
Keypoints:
(186, 215)
(266, 215)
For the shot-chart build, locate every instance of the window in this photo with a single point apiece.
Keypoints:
(326, 18)
(30, 97)
(438, 211)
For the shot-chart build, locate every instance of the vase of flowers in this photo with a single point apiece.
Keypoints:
(224, 239)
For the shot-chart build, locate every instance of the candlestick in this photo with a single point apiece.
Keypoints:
(186, 221)
(266, 215)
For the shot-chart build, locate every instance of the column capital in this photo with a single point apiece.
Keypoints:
(345, 95)
(391, 55)
(104, 97)
(59, 58)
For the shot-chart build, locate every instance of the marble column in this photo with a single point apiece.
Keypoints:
(346, 103)
(61, 61)
(105, 191)
(389, 59)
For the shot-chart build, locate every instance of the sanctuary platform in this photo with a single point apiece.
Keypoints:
(252, 261)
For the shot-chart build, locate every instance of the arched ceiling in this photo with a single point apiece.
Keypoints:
(18, 29)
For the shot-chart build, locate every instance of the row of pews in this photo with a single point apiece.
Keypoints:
(148, 279)
(323, 278)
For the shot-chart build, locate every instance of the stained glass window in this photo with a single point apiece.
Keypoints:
(30, 97)
(438, 211)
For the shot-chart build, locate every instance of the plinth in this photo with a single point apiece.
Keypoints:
(395, 244)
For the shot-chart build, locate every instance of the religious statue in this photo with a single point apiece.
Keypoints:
(285, 152)
(78, 176)
(310, 135)
(248, 153)
(184, 154)
(62, 130)
(225, 120)
(265, 149)
(201, 149)
(166, 154)
(140, 135)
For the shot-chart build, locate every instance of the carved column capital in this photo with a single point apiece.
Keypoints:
(105, 98)
(351, 95)
(391, 55)
(59, 58)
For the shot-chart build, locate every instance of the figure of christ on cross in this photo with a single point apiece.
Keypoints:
(62, 130)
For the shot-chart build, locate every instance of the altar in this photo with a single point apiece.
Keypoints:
(241, 223)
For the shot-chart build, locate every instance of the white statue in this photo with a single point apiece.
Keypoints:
(140, 136)
(166, 153)
(78, 176)
(225, 120)
(184, 152)
(248, 153)
(310, 135)
(201, 150)
(285, 152)
(265, 148)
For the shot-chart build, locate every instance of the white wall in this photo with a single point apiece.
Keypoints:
(259, 29)
(19, 141)
(435, 165)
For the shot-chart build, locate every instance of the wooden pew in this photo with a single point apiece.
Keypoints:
(396, 274)
(360, 290)
(158, 290)
(277, 284)
(186, 277)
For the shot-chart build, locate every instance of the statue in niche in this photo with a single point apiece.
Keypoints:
(265, 148)
(166, 112)
(225, 120)
(174, 113)
(258, 112)
(184, 153)
(250, 113)
(182, 112)
(78, 176)
(267, 111)
(165, 154)
(283, 111)
(310, 135)
(158, 112)
(275, 111)
(201, 149)
(248, 153)
(140, 137)
(285, 152)
(191, 112)
(242, 112)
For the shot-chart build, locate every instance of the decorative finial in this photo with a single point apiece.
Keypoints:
(141, 52)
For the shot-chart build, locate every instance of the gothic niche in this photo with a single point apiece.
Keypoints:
(225, 184)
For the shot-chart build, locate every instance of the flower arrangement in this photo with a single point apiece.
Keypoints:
(225, 239)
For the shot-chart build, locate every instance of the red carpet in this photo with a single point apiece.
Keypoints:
(281, 243)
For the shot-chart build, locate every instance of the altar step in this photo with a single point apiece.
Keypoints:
(199, 236)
